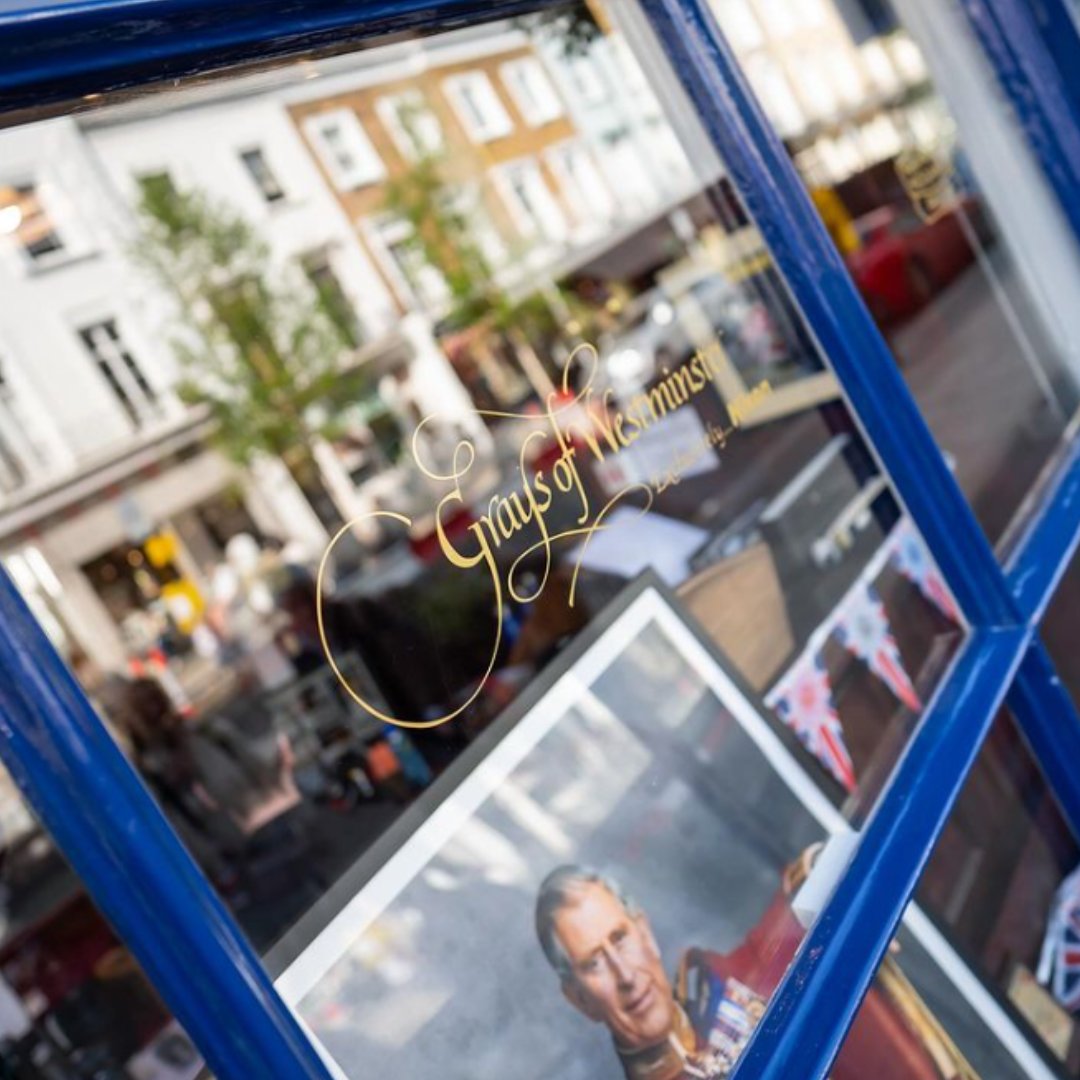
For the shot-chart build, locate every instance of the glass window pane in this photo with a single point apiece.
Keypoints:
(925, 181)
(569, 871)
(918, 1023)
(74, 1003)
(1000, 890)
(376, 414)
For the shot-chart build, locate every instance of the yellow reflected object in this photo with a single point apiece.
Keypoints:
(837, 219)
(160, 549)
(185, 603)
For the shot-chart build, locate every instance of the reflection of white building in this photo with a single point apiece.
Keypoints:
(96, 450)
(241, 150)
(542, 150)
(89, 421)
(620, 119)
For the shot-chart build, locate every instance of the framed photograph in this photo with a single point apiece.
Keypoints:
(611, 882)
(637, 775)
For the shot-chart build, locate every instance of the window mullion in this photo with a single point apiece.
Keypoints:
(835, 312)
(1047, 109)
(804, 1027)
(1042, 553)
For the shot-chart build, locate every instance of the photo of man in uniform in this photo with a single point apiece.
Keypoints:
(599, 942)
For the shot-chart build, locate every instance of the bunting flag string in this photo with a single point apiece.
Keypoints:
(803, 699)
(1059, 963)
(862, 627)
(910, 557)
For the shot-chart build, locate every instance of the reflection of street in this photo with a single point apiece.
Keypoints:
(967, 371)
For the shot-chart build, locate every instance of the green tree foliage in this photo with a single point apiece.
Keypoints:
(574, 26)
(260, 350)
(441, 236)
(444, 237)
(263, 351)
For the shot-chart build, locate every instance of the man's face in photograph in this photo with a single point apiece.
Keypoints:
(617, 977)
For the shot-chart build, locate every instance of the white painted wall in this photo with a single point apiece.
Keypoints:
(200, 148)
(72, 407)
(622, 122)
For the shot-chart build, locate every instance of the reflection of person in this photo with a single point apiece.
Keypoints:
(601, 945)
(217, 786)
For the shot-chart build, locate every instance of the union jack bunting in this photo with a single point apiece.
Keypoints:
(1059, 964)
(862, 627)
(803, 700)
(910, 557)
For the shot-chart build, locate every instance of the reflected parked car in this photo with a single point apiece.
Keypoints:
(905, 262)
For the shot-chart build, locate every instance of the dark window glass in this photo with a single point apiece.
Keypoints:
(120, 369)
(256, 164)
(25, 215)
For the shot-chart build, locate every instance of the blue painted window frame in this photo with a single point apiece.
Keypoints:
(57, 54)
(1060, 33)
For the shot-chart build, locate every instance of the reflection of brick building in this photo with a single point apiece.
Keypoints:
(534, 152)
(509, 152)
(503, 149)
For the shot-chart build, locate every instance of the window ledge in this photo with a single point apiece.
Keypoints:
(41, 269)
(283, 206)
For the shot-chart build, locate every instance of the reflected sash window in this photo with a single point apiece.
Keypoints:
(412, 125)
(25, 216)
(21, 454)
(532, 205)
(259, 169)
(478, 107)
(414, 277)
(12, 469)
(532, 91)
(588, 85)
(333, 299)
(581, 185)
(121, 371)
(343, 146)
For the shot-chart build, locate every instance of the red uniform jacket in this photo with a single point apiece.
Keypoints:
(880, 1046)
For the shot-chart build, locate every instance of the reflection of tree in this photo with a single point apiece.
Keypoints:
(443, 234)
(264, 355)
(574, 25)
